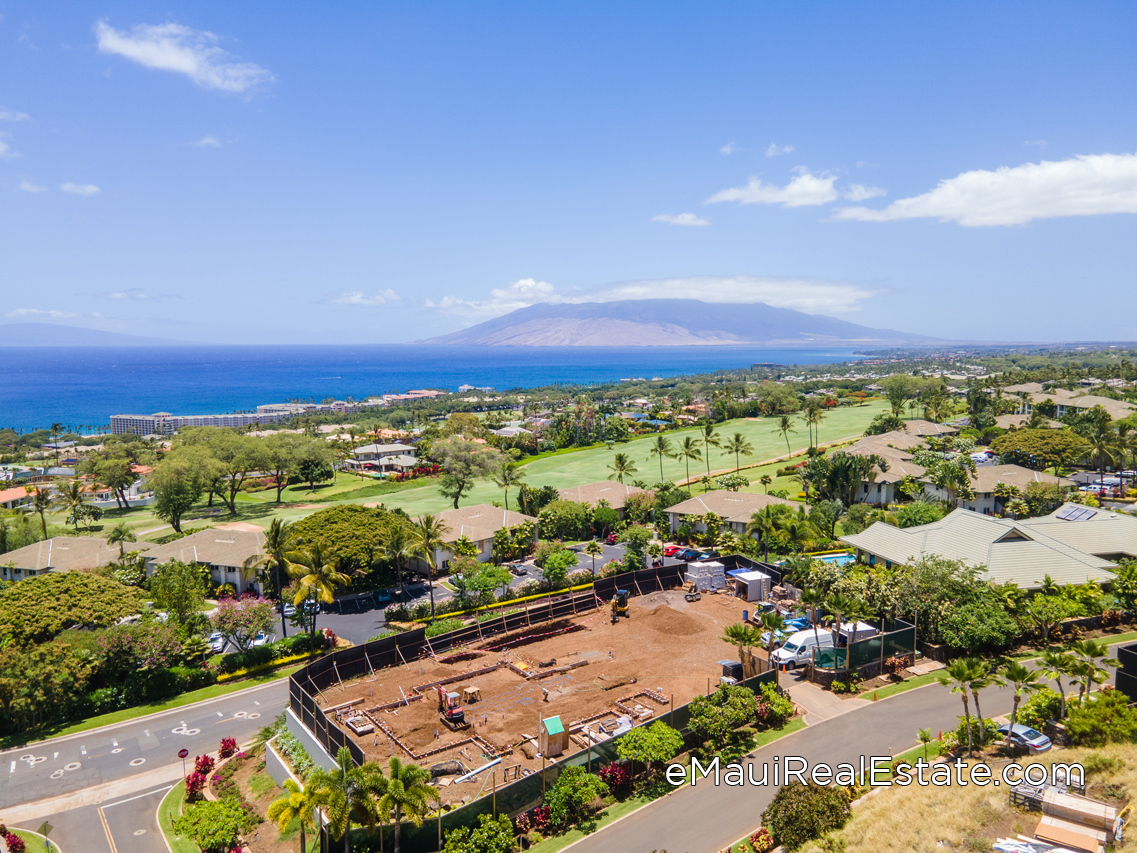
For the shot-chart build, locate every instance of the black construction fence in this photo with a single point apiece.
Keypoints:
(511, 798)
(896, 638)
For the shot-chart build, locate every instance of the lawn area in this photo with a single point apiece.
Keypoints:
(902, 686)
(211, 692)
(34, 841)
(168, 811)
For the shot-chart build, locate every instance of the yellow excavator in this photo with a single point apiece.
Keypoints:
(620, 605)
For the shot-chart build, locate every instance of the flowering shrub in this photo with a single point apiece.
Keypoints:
(330, 638)
(761, 841)
(228, 747)
(616, 777)
(203, 764)
(195, 784)
(541, 816)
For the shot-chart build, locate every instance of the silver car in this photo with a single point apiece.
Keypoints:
(1032, 740)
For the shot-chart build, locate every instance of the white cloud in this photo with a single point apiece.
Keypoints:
(133, 293)
(29, 187)
(79, 189)
(173, 47)
(805, 189)
(800, 294)
(774, 150)
(1086, 185)
(207, 142)
(6, 152)
(357, 297)
(729, 149)
(859, 192)
(7, 115)
(37, 312)
(680, 219)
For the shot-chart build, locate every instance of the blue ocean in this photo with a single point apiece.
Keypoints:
(84, 386)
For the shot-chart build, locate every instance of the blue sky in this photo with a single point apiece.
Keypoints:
(378, 172)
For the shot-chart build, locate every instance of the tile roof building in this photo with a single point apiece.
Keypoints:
(61, 554)
(224, 551)
(735, 507)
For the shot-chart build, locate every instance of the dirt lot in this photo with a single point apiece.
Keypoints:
(668, 647)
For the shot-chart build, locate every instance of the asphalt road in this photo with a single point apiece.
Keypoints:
(76, 762)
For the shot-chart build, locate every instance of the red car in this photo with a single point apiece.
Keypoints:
(671, 550)
(611, 540)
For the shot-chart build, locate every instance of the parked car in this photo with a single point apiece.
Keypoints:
(611, 540)
(382, 596)
(261, 639)
(217, 642)
(517, 568)
(1032, 740)
(689, 555)
(799, 648)
(671, 550)
(289, 609)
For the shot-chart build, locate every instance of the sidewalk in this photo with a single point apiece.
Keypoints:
(817, 704)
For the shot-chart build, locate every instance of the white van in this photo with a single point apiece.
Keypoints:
(799, 647)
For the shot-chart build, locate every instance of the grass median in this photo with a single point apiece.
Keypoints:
(182, 699)
(169, 810)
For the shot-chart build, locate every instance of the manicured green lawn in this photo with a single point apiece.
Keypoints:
(211, 692)
(168, 811)
(902, 686)
(34, 842)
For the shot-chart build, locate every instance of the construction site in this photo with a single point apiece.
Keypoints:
(522, 699)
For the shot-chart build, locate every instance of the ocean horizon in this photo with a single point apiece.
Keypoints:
(84, 386)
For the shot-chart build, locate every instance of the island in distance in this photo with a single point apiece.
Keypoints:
(669, 322)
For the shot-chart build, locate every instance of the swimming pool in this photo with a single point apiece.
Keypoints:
(839, 559)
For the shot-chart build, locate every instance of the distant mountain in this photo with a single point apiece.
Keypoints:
(669, 322)
(52, 335)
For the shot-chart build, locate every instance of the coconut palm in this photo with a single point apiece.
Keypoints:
(661, 446)
(739, 446)
(397, 549)
(984, 677)
(55, 431)
(785, 427)
(277, 554)
(508, 476)
(761, 525)
(319, 575)
(741, 635)
(1087, 654)
(773, 622)
(593, 549)
(958, 676)
(1056, 666)
(427, 538)
(1022, 680)
(406, 793)
(120, 535)
(689, 450)
(925, 737)
(70, 497)
(844, 608)
(710, 439)
(622, 465)
(296, 803)
(348, 794)
(41, 501)
(814, 600)
(766, 480)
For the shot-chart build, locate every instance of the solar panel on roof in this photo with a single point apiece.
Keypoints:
(1073, 512)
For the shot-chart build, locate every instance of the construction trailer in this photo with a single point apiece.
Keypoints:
(752, 585)
(554, 738)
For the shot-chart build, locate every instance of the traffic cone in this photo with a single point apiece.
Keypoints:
(874, 695)
(941, 737)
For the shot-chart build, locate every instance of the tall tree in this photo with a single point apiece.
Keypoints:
(957, 676)
(407, 793)
(297, 804)
(710, 439)
(71, 498)
(1023, 681)
(177, 481)
(785, 427)
(462, 461)
(397, 549)
(508, 476)
(42, 499)
(120, 535)
(594, 549)
(319, 575)
(689, 450)
(277, 557)
(739, 446)
(622, 465)
(661, 447)
(429, 536)
(348, 794)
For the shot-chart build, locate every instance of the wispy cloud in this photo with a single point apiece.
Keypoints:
(8, 115)
(775, 150)
(800, 294)
(29, 187)
(729, 149)
(21, 313)
(680, 219)
(79, 189)
(183, 50)
(133, 293)
(804, 190)
(1088, 185)
(358, 297)
(860, 192)
(6, 152)
(1039, 143)
(207, 142)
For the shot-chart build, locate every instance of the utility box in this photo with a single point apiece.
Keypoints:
(554, 738)
(731, 669)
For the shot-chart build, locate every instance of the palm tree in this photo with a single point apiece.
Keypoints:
(710, 439)
(406, 792)
(319, 575)
(661, 447)
(843, 608)
(55, 431)
(766, 480)
(814, 600)
(277, 553)
(740, 635)
(1057, 666)
(594, 549)
(958, 676)
(738, 445)
(120, 535)
(427, 537)
(1102, 437)
(773, 622)
(689, 450)
(1022, 681)
(1086, 667)
(984, 677)
(348, 793)
(621, 466)
(508, 476)
(762, 526)
(41, 502)
(397, 549)
(785, 427)
(71, 498)
(925, 737)
(295, 803)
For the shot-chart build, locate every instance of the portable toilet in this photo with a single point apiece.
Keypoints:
(553, 739)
